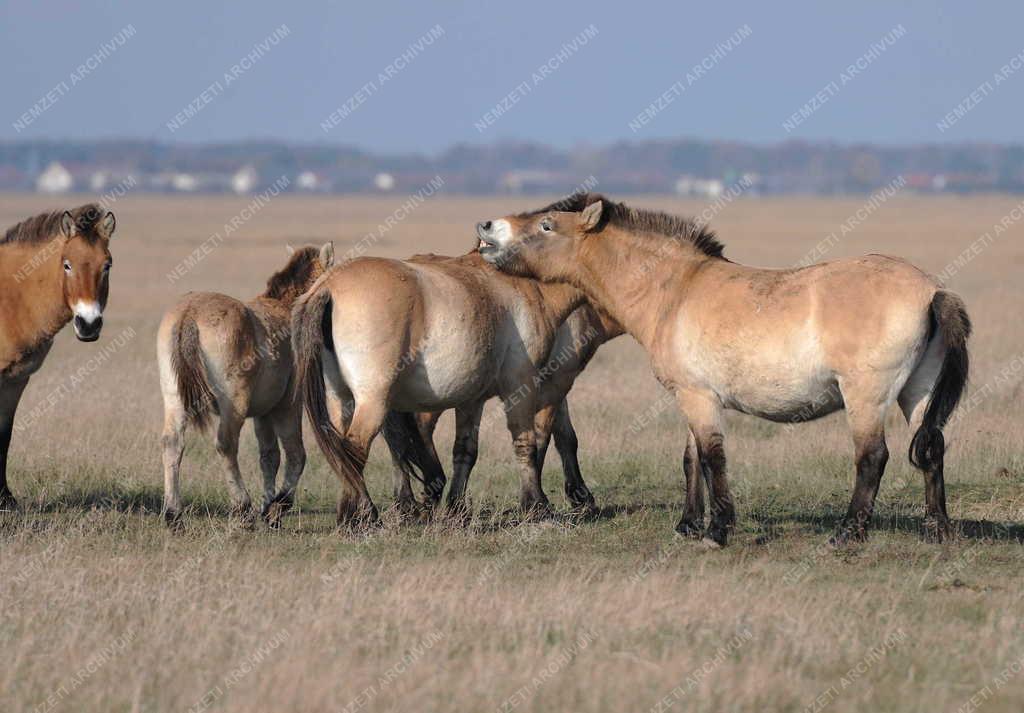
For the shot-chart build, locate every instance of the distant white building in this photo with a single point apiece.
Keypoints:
(384, 181)
(184, 182)
(307, 181)
(245, 180)
(705, 188)
(98, 181)
(55, 179)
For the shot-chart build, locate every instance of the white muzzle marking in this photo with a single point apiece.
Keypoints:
(89, 312)
(501, 232)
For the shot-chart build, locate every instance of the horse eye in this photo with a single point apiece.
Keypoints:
(107, 266)
(67, 267)
(545, 225)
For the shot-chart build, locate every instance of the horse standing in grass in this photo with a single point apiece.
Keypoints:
(220, 356)
(376, 336)
(55, 269)
(785, 345)
(575, 344)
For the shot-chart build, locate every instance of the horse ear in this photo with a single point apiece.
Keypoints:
(591, 216)
(67, 224)
(327, 255)
(107, 225)
(289, 248)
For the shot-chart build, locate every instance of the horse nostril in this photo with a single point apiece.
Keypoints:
(485, 226)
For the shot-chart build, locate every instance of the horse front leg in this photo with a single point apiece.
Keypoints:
(704, 414)
(692, 524)
(10, 395)
(520, 411)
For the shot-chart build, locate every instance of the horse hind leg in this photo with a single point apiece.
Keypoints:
(228, 431)
(865, 412)
(567, 444)
(913, 400)
(172, 443)
(287, 424)
(270, 457)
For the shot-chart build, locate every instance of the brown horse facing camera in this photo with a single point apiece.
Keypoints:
(218, 355)
(786, 345)
(55, 269)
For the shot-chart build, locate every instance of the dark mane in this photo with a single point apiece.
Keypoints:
(47, 225)
(621, 215)
(292, 280)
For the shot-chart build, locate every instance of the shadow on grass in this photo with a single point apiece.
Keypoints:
(914, 524)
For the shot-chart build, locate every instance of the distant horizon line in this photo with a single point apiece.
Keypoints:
(581, 145)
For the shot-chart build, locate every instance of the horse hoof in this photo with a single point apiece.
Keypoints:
(847, 536)
(7, 502)
(716, 537)
(584, 507)
(173, 520)
(361, 518)
(538, 512)
(937, 531)
(711, 544)
(690, 529)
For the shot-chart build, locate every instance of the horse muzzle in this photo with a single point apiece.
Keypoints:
(88, 331)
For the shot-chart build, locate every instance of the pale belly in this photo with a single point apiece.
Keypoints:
(785, 380)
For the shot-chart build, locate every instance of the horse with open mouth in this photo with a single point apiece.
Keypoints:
(56, 269)
(785, 345)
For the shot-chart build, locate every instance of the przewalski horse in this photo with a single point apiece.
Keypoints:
(575, 344)
(220, 356)
(55, 269)
(785, 345)
(376, 336)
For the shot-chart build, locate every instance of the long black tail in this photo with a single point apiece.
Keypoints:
(197, 397)
(950, 320)
(310, 335)
(408, 447)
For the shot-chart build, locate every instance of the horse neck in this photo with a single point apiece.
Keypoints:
(34, 292)
(631, 276)
(558, 300)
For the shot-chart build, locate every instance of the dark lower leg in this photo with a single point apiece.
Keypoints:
(464, 454)
(567, 444)
(872, 455)
(711, 451)
(937, 524)
(7, 501)
(692, 522)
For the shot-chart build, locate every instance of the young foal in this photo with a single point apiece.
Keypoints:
(785, 345)
(404, 336)
(55, 269)
(219, 355)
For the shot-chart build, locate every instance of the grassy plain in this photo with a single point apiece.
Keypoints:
(103, 609)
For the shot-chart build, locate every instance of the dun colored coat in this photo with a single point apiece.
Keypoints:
(376, 336)
(219, 356)
(785, 345)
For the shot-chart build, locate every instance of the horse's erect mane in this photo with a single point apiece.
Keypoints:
(47, 225)
(640, 219)
(296, 274)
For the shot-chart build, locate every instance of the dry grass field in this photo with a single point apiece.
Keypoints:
(104, 609)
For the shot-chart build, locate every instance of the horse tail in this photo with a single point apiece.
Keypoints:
(311, 334)
(952, 325)
(197, 397)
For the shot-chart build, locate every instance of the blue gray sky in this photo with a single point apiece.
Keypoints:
(616, 60)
